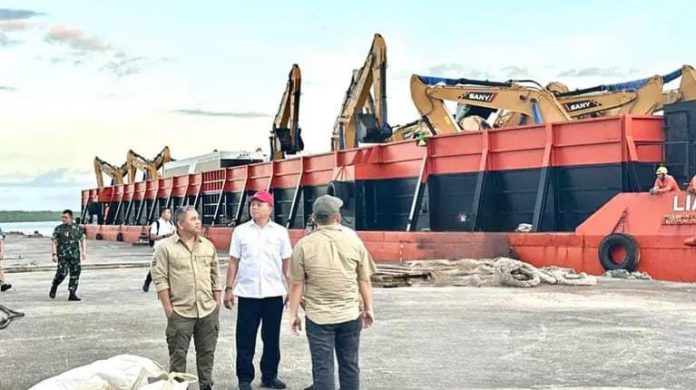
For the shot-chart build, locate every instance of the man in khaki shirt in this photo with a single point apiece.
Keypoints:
(186, 273)
(330, 266)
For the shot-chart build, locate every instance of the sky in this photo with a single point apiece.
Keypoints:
(82, 78)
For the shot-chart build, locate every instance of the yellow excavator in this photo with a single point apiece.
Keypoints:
(363, 116)
(687, 87)
(150, 168)
(478, 99)
(642, 97)
(286, 135)
(102, 167)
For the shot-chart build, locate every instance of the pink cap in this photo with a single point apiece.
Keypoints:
(263, 196)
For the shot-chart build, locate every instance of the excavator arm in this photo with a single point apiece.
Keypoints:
(150, 168)
(642, 97)
(430, 93)
(102, 167)
(363, 116)
(687, 87)
(634, 97)
(286, 133)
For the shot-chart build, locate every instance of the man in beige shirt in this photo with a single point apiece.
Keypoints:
(186, 273)
(330, 266)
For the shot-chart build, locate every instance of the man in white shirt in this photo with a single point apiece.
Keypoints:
(259, 255)
(159, 230)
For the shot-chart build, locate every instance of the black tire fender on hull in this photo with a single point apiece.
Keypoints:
(625, 241)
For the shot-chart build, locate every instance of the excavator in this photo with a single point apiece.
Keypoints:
(150, 168)
(286, 133)
(102, 167)
(363, 116)
(476, 100)
(642, 97)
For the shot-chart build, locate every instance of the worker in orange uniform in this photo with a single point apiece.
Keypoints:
(692, 186)
(664, 182)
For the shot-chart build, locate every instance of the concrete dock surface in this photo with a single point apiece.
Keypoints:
(617, 334)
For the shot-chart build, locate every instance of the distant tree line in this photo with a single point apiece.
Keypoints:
(29, 216)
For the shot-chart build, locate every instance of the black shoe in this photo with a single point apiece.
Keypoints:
(52, 294)
(73, 297)
(244, 386)
(274, 383)
(146, 288)
(5, 287)
(206, 387)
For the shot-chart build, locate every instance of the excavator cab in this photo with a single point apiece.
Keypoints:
(473, 117)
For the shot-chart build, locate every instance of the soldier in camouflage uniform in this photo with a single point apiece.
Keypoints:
(3, 286)
(69, 249)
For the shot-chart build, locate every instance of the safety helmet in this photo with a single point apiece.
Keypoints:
(662, 170)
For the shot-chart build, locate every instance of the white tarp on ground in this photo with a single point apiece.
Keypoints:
(122, 372)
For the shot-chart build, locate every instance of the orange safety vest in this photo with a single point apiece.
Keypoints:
(668, 184)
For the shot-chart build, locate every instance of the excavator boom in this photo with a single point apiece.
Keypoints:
(641, 97)
(286, 133)
(150, 168)
(634, 97)
(102, 167)
(363, 116)
(687, 87)
(429, 94)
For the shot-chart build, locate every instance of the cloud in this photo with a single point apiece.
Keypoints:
(199, 112)
(515, 72)
(12, 21)
(60, 177)
(15, 14)
(87, 48)
(76, 39)
(121, 65)
(459, 71)
(7, 88)
(16, 25)
(596, 72)
(462, 71)
(6, 41)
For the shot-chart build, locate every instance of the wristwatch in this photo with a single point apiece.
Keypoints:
(228, 288)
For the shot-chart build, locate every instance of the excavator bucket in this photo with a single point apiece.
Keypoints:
(368, 129)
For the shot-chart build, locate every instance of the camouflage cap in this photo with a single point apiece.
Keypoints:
(327, 205)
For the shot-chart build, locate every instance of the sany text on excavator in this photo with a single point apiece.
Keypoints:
(286, 135)
(363, 116)
(480, 99)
